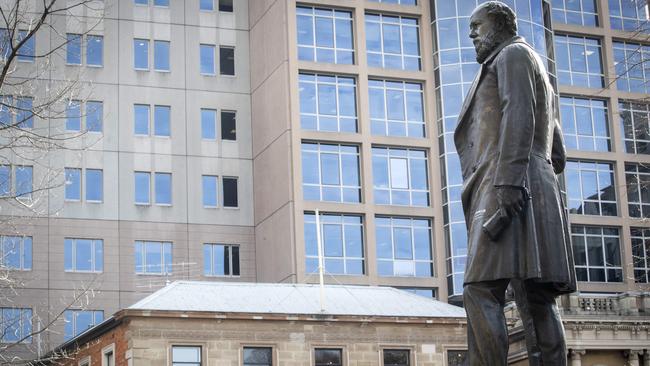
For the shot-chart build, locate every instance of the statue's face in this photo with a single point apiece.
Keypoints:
(483, 32)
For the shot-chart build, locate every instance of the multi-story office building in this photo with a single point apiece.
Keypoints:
(226, 125)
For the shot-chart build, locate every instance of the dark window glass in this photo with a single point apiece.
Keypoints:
(396, 357)
(227, 60)
(225, 5)
(456, 358)
(258, 356)
(230, 192)
(228, 125)
(328, 356)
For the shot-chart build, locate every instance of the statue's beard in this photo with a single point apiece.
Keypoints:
(486, 45)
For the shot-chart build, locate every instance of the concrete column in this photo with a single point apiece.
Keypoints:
(646, 358)
(633, 357)
(576, 356)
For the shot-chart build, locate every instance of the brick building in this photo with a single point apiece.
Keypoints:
(203, 323)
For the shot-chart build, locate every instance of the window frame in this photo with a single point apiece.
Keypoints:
(221, 63)
(634, 172)
(338, 220)
(110, 349)
(315, 12)
(341, 349)
(166, 269)
(215, 123)
(232, 7)
(213, 48)
(272, 348)
(96, 36)
(314, 82)
(587, 267)
(395, 222)
(583, 166)
(390, 155)
(26, 316)
(223, 191)
(339, 151)
(401, 348)
(101, 184)
(157, 42)
(171, 188)
(206, 10)
(575, 139)
(202, 348)
(405, 89)
(567, 40)
(228, 249)
(402, 22)
(31, 56)
(146, 53)
(135, 185)
(216, 188)
(26, 260)
(221, 123)
(80, 190)
(642, 235)
(93, 258)
(74, 313)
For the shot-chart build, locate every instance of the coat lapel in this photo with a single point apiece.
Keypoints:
(470, 94)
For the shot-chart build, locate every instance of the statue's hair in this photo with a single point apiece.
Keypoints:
(503, 13)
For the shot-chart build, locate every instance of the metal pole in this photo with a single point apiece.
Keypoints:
(320, 263)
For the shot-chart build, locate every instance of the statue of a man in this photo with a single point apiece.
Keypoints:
(511, 149)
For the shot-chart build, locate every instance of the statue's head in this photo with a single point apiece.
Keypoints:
(491, 23)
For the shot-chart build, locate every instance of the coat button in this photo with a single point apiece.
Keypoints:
(471, 145)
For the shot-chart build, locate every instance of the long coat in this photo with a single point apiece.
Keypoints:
(507, 134)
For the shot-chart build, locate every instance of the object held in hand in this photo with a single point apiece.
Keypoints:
(494, 225)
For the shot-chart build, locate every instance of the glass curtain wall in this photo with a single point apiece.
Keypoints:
(455, 68)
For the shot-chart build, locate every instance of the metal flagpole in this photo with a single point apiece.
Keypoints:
(320, 263)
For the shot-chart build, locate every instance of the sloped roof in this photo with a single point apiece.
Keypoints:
(298, 299)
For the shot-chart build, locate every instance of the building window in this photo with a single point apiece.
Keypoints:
(208, 124)
(580, 12)
(230, 194)
(328, 103)
(258, 356)
(142, 188)
(22, 183)
(635, 119)
(163, 188)
(456, 357)
(207, 5)
(330, 172)
(396, 108)
(629, 15)
(226, 6)
(400, 176)
(85, 361)
(108, 356)
(72, 184)
(161, 120)
(590, 188)
(207, 59)
(403, 247)
(15, 325)
(641, 254)
(94, 116)
(94, 49)
(141, 119)
(579, 61)
(161, 55)
(228, 125)
(73, 115)
(73, 49)
(637, 178)
(210, 189)
(584, 124)
(392, 42)
(429, 293)
(631, 60)
(26, 53)
(163, 3)
(94, 185)
(396, 357)
(342, 244)
(84, 255)
(78, 321)
(402, 2)
(186, 355)
(19, 107)
(324, 35)
(328, 357)
(141, 2)
(16, 253)
(141, 54)
(152, 257)
(220, 260)
(226, 60)
(597, 253)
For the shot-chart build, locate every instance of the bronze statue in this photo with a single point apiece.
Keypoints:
(510, 148)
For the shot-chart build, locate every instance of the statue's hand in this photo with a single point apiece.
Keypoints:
(511, 199)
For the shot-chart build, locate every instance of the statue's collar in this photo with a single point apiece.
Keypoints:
(515, 39)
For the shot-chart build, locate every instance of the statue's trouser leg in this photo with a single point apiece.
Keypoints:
(487, 332)
(548, 325)
(534, 353)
